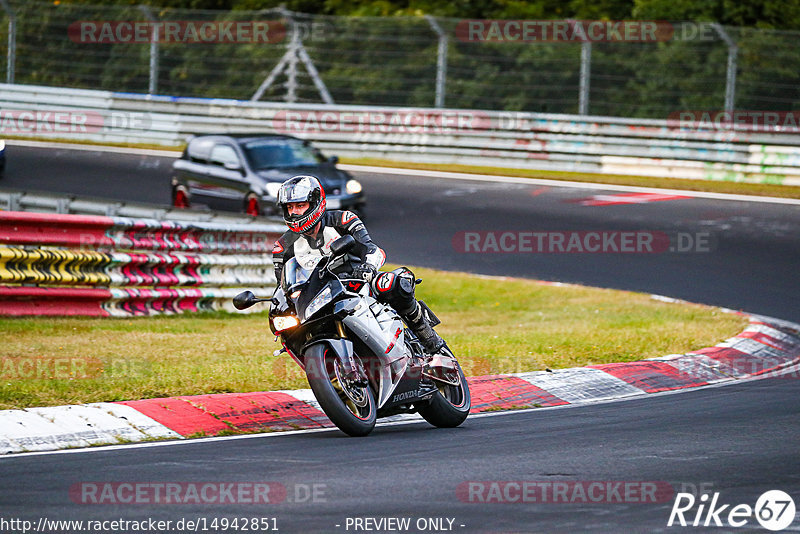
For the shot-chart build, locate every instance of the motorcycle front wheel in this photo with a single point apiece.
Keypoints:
(350, 407)
(449, 406)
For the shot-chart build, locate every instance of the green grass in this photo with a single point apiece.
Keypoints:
(494, 326)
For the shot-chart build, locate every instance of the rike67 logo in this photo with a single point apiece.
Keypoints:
(774, 510)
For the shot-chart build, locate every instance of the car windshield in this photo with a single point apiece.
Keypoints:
(269, 153)
(294, 273)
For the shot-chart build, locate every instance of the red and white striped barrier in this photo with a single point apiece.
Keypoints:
(52, 264)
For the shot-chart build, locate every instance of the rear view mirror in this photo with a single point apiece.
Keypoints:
(245, 299)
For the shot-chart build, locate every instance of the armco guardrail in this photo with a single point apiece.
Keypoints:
(54, 264)
(604, 145)
(41, 202)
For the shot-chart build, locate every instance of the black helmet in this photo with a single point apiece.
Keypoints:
(302, 188)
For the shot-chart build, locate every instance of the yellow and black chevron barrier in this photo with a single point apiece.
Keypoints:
(54, 264)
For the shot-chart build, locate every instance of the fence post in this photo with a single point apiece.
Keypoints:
(12, 42)
(730, 74)
(441, 61)
(586, 66)
(152, 86)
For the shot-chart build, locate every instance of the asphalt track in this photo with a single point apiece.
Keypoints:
(739, 440)
(751, 261)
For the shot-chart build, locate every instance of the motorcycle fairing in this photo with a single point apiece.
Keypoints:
(381, 329)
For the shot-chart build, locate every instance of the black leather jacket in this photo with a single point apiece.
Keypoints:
(333, 225)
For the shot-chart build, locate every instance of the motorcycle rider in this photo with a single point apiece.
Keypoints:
(312, 229)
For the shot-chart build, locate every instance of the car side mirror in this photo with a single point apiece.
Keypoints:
(333, 160)
(233, 166)
(342, 245)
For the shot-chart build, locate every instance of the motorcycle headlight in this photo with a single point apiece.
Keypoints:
(319, 301)
(284, 322)
(353, 187)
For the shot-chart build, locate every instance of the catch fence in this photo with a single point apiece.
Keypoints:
(278, 55)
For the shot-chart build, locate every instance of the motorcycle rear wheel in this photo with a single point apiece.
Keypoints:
(351, 408)
(449, 406)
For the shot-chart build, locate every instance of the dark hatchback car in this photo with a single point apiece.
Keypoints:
(244, 172)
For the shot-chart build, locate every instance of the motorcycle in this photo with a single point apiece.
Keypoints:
(360, 360)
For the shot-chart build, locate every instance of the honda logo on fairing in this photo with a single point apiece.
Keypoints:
(404, 396)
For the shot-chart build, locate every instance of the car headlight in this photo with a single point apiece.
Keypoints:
(284, 322)
(2, 145)
(353, 187)
(319, 301)
(273, 188)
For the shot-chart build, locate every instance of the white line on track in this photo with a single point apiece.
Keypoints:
(412, 173)
(420, 174)
(149, 444)
(564, 183)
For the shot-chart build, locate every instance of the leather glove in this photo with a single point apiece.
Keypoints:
(365, 271)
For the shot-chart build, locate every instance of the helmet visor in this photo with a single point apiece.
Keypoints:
(296, 192)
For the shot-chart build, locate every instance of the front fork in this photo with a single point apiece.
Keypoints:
(342, 347)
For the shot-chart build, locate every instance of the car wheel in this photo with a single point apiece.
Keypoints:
(180, 197)
(252, 206)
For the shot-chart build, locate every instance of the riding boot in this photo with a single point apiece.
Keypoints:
(415, 319)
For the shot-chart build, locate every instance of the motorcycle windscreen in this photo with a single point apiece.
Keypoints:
(295, 273)
(316, 294)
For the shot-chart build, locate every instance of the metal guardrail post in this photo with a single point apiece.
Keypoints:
(12, 41)
(152, 86)
(14, 201)
(441, 61)
(730, 74)
(586, 67)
